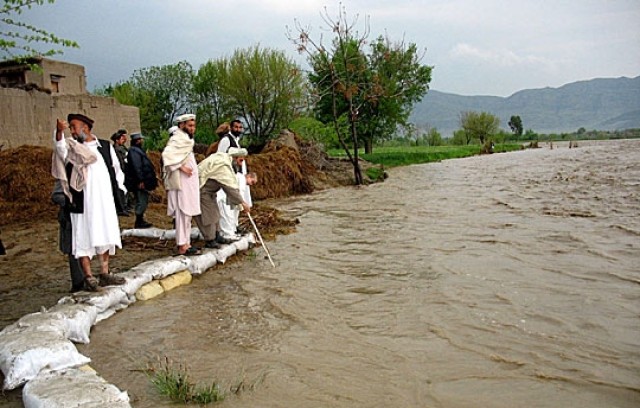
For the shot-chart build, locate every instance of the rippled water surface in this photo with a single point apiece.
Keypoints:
(509, 280)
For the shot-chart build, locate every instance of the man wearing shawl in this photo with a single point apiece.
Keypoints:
(87, 169)
(216, 173)
(181, 181)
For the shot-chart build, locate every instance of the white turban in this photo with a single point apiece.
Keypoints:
(185, 117)
(235, 152)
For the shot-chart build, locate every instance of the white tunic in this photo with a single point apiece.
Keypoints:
(97, 229)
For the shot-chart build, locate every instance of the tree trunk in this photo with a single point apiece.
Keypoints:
(357, 173)
(368, 145)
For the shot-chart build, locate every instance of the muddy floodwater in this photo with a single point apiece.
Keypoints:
(506, 280)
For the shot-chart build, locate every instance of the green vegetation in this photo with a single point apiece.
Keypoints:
(372, 93)
(406, 155)
(260, 86)
(19, 39)
(375, 173)
(174, 383)
(582, 134)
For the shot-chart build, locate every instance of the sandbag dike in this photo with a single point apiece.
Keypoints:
(38, 350)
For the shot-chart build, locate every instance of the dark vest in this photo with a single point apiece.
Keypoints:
(232, 142)
(77, 206)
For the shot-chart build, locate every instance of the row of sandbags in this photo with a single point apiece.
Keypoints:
(38, 350)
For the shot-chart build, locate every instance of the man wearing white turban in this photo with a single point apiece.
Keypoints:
(216, 174)
(181, 181)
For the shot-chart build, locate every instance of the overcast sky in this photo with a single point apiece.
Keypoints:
(478, 47)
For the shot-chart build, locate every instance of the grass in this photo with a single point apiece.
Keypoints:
(173, 381)
(406, 155)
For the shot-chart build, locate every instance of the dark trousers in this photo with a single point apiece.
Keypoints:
(77, 276)
(142, 201)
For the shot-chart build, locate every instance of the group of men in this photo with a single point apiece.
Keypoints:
(193, 189)
(140, 176)
(83, 165)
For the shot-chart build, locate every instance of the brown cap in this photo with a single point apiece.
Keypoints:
(80, 117)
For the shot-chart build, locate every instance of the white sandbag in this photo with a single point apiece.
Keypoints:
(72, 388)
(242, 244)
(136, 278)
(175, 280)
(107, 298)
(226, 251)
(149, 291)
(78, 319)
(201, 263)
(161, 234)
(105, 315)
(24, 354)
(163, 267)
(38, 322)
(145, 233)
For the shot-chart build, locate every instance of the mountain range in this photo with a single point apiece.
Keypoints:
(597, 104)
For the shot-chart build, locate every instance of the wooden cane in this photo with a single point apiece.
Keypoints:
(255, 227)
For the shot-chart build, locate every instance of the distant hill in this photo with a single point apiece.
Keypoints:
(597, 104)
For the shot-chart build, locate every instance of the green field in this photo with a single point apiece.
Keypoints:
(406, 155)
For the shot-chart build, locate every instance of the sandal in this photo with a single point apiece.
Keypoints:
(107, 279)
(190, 252)
(91, 284)
(212, 244)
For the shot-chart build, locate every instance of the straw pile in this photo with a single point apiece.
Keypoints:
(26, 184)
(284, 168)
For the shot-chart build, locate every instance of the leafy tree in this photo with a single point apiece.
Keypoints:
(434, 138)
(213, 107)
(160, 92)
(310, 128)
(399, 81)
(170, 90)
(374, 93)
(479, 125)
(515, 123)
(459, 138)
(265, 88)
(530, 135)
(18, 39)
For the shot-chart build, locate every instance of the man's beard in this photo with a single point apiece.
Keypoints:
(184, 129)
(81, 137)
(236, 133)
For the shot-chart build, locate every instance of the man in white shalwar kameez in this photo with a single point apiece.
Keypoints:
(94, 223)
(229, 214)
(181, 181)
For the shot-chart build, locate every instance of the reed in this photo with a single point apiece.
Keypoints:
(172, 380)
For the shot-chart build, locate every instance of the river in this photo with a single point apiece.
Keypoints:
(505, 280)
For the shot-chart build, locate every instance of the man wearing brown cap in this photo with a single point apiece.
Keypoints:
(86, 168)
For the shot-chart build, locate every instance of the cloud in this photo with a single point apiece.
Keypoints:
(497, 57)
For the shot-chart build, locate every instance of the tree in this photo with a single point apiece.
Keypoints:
(399, 81)
(18, 39)
(515, 123)
(169, 87)
(160, 92)
(373, 93)
(434, 138)
(213, 106)
(479, 125)
(265, 88)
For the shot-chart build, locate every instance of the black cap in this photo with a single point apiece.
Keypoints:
(136, 136)
(80, 117)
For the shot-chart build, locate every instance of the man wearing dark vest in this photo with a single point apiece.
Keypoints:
(89, 173)
(228, 215)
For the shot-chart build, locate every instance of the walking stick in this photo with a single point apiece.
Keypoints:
(255, 227)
